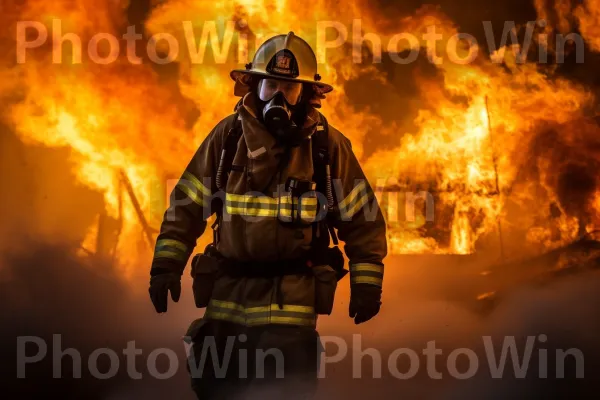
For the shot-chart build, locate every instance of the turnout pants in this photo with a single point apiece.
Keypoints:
(257, 339)
(230, 361)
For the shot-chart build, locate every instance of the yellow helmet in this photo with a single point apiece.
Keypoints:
(285, 57)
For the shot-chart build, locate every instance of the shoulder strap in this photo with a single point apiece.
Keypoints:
(225, 164)
(322, 175)
(228, 152)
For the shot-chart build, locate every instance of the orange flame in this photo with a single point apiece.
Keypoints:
(464, 144)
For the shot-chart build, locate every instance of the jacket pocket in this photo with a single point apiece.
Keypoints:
(325, 285)
(204, 274)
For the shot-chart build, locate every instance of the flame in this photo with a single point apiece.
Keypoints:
(588, 16)
(561, 13)
(464, 141)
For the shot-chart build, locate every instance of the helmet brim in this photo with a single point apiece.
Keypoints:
(237, 72)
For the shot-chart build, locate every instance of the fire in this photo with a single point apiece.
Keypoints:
(464, 142)
(586, 13)
(115, 133)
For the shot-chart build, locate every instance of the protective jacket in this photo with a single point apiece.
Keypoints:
(256, 207)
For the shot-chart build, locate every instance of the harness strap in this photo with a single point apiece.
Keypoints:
(228, 152)
(225, 166)
(322, 176)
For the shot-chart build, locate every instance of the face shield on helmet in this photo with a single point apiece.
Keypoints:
(268, 88)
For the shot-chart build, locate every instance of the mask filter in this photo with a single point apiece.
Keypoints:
(277, 115)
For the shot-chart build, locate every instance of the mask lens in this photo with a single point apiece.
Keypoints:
(290, 90)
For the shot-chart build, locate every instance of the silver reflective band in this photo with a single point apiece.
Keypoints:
(267, 88)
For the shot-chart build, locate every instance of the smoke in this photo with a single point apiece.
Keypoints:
(48, 291)
(434, 300)
(47, 288)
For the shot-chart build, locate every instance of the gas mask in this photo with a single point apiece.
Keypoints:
(281, 103)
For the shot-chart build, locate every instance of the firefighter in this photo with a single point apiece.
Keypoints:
(283, 185)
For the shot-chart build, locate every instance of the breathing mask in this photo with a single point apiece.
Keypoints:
(281, 99)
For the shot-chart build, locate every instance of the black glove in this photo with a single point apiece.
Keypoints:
(161, 282)
(365, 301)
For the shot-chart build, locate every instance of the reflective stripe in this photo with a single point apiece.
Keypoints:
(191, 193)
(193, 188)
(265, 206)
(366, 273)
(367, 279)
(265, 212)
(197, 184)
(286, 308)
(250, 199)
(357, 205)
(367, 267)
(306, 201)
(266, 200)
(357, 198)
(225, 317)
(172, 243)
(170, 248)
(256, 212)
(227, 304)
(284, 320)
(169, 254)
(353, 193)
(261, 315)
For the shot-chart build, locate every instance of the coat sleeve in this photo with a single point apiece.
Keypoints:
(359, 221)
(189, 205)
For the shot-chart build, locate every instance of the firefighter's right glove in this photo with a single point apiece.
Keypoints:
(365, 302)
(163, 281)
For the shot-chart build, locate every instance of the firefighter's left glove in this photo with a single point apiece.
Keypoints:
(163, 281)
(365, 302)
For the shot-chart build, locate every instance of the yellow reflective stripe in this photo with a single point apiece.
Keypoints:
(294, 308)
(357, 206)
(304, 214)
(252, 212)
(227, 304)
(253, 206)
(172, 243)
(353, 194)
(250, 199)
(286, 307)
(230, 311)
(306, 201)
(246, 198)
(226, 317)
(196, 182)
(192, 194)
(281, 320)
(271, 307)
(367, 279)
(169, 254)
(261, 320)
(366, 267)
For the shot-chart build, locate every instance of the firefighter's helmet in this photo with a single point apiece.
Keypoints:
(285, 57)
